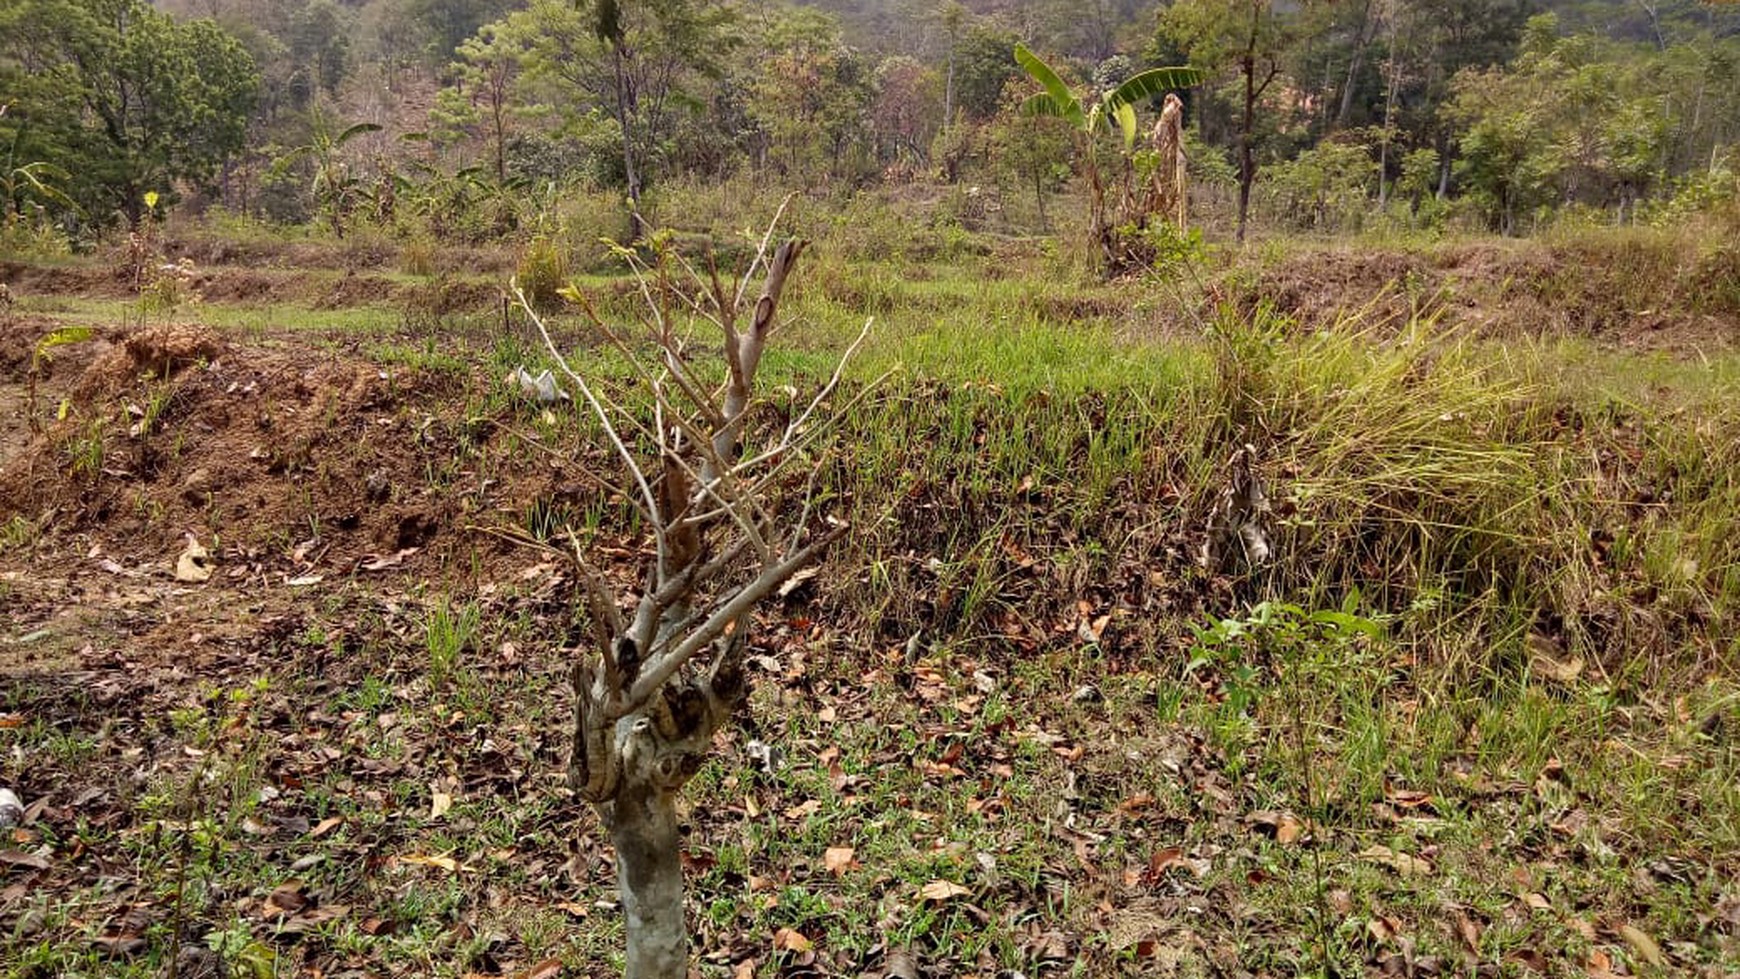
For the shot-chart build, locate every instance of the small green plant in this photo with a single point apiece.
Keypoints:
(1303, 653)
(41, 355)
(447, 633)
(88, 448)
(168, 287)
(152, 412)
(1175, 253)
(17, 533)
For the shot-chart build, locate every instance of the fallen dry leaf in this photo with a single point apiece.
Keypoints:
(1528, 958)
(1408, 798)
(1549, 658)
(423, 860)
(1401, 863)
(381, 562)
(286, 899)
(312, 918)
(18, 858)
(743, 970)
(900, 964)
(1162, 860)
(439, 803)
(1286, 827)
(804, 809)
(547, 969)
(838, 859)
(942, 890)
(1383, 928)
(1468, 930)
(791, 940)
(1643, 945)
(797, 580)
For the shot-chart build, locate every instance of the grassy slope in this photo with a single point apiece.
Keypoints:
(1536, 755)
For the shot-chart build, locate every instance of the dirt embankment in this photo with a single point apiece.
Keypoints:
(1630, 295)
(289, 463)
(244, 286)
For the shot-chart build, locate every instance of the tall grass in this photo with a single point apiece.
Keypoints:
(1451, 483)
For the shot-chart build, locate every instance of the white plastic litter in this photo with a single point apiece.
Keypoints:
(11, 810)
(542, 388)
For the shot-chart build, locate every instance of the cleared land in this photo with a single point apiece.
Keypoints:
(1485, 724)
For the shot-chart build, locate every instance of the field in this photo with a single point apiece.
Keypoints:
(1479, 716)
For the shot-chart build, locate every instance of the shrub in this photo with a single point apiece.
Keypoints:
(418, 257)
(542, 272)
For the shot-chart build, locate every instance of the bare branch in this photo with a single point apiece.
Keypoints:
(606, 617)
(649, 508)
(760, 257)
(833, 382)
(743, 352)
(744, 599)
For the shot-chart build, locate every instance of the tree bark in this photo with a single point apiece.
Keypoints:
(649, 873)
(1361, 41)
(1247, 126)
(625, 109)
(1247, 165)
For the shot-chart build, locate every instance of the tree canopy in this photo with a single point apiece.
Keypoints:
(123, 98)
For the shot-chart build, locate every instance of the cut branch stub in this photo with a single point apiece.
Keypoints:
(743, 353)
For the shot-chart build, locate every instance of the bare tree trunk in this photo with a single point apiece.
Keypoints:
(1247, 126)
(649, 878)
(1391, 71)
(949, 92)
(625, 122)
(1443, 166)
(1247, 163)
(498, 109)
(1652, 10)
(1361, 41)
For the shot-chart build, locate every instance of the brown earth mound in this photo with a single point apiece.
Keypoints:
(295, 462)
(159, 352)
(261, 286)
(65, 280)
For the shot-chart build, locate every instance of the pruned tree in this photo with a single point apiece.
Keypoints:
(730, 515)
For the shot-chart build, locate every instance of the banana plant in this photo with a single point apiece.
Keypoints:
(21, 181)
(41, 355)
(1091, 117)
(332, 185)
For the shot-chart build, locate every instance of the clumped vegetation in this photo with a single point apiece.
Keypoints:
(1281, 522)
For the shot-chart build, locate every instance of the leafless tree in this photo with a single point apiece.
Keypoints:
(729, 525)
